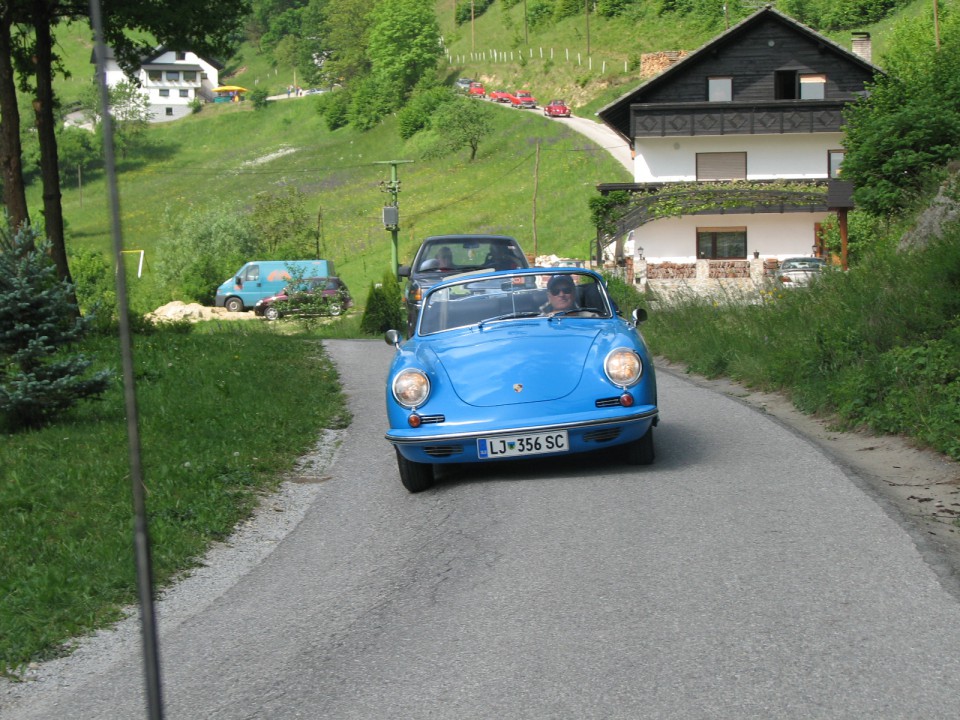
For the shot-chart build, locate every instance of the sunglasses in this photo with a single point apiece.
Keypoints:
(562, 291)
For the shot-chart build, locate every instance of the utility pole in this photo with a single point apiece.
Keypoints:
(586, 8)
(391, 212)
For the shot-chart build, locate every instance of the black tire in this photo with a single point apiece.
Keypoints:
(271, 313)
(234, 304)
(640, 452)
(416, 477)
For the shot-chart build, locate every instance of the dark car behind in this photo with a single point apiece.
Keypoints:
(467, 253)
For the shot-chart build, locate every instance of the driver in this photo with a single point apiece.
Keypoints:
(561, 295)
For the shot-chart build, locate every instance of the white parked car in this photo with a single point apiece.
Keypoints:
(797, 271)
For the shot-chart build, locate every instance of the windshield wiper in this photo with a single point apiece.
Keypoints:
(510, 316)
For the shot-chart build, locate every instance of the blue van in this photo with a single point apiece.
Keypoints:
(265, 278)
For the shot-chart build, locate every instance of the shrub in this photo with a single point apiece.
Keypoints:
(334, 107)
(384, 310)
(259, 97)
(96, 291)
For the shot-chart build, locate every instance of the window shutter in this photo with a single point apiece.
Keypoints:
(722, 166)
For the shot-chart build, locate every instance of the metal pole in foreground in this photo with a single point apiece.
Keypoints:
(148, 624)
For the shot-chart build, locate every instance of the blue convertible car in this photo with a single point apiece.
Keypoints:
(517, 364)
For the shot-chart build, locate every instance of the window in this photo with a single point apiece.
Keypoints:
(785, 85)
(181, 56)
(154, 75)
(252, 274)
(190, 75)
(722, 243)
(184, 93)
(812, 87)
(173, 75)
(169, 111)
(834, 161)
(722, 166)
(720, 89)
(164, 92)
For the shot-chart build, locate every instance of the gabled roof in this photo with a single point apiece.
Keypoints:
(729, 37)
(149, 58)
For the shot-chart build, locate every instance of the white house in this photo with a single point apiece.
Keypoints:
(760, 104)
(171, 80)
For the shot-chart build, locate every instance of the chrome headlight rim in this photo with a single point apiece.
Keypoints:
(410, 388)
(623, 366)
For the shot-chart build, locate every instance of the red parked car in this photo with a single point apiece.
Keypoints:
(556, 108)
(523, 99)
(500, 96)
(476, 90)
(313, 296)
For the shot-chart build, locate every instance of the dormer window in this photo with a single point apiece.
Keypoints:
(720, 89)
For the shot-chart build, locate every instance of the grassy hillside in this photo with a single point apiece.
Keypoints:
(226, 155)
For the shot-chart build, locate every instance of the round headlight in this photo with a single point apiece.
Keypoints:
(411, 388)
(623, 367)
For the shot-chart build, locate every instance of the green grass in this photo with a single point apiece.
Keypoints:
(213, 439)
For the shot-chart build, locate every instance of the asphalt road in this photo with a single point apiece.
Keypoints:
(744, 575)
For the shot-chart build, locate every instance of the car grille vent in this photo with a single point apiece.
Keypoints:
(608, 402)
(431, 419)
(443, 451)
(600, 436)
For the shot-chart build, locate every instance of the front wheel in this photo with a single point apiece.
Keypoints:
(416, 477)
(640, 452)
(234, 304)
(335, 308)
(271, 313)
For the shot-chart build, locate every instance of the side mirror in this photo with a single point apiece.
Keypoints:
(239, 281)
(403, 271)
(392, 337)
(639, 315)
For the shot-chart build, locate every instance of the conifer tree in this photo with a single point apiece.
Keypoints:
(40, 374)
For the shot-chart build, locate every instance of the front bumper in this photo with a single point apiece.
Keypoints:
(583, 436)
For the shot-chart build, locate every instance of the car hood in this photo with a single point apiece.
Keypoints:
(515, 363)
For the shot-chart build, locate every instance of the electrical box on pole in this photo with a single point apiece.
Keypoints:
(391, 212)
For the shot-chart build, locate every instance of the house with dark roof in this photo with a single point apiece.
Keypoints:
(734, 149)
(171, 80)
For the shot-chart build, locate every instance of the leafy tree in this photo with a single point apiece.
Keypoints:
(900, 137)
(335, 108)
(345, 27)
(279, 220)
(417, 113)
(129, 110)
(462, 123)
(404, 45)
(39, 324)
(202, 248)
(79, 150)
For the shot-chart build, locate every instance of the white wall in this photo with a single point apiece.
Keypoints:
(769, 157)
(779, 235)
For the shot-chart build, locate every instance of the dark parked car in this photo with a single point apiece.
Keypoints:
(312, 296)
(441, 256)
(519, 364)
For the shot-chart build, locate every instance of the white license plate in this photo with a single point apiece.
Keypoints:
(522, 445)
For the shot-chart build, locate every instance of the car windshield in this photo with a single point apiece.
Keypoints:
(475, 254)
(484, 300)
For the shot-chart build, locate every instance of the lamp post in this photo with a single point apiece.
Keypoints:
(391, 213)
